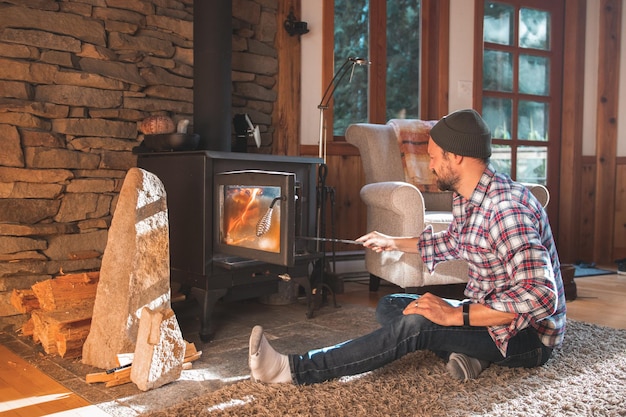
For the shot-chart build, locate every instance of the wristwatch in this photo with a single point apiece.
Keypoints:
(466, 310)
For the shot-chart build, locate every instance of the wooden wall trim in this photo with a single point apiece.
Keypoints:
(477, 88)
(332, 148)
(378, 48)
(606, 130)
(435, 71)
(328, 61)
(443, 74)
(571, 131)
(287, 114)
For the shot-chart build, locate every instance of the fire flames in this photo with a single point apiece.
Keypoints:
(243, 208)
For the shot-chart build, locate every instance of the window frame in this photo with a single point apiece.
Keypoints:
(556, 53)
(434, 63)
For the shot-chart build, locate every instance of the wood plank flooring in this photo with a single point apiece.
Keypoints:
(600, 301)
(26, 391)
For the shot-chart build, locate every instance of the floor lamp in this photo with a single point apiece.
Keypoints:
(320, 275)
(349, 65)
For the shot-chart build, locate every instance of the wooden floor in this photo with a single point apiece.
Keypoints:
(26, 391)
(600, 301)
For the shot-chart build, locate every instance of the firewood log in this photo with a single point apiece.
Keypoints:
(49, 324)
(75, 291)
(121, 375)
(28, 328)
(24, 301)
(111, 379)
(70, 340)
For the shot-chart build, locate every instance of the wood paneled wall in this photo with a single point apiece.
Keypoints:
(606, 130)
(287, 111)
(571, 169)
(586, 234)
(619, 245)
(592, 219)
(345, 177)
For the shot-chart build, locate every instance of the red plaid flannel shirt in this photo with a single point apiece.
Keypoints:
(503, 233)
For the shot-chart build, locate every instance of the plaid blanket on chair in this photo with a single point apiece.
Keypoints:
(413, 135)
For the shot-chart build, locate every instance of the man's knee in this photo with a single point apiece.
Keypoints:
(391, 306)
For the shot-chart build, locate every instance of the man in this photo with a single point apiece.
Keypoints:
(514, 314)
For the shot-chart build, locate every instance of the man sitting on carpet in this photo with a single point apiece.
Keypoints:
(515, 312)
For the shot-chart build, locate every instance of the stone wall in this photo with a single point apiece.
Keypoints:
(76, 77)
(255, 64)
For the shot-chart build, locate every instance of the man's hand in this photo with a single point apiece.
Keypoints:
(441, 312)
(436, 310)
(379, 242)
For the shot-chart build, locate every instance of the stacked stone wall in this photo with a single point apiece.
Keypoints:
(76, 78)
(255, 64)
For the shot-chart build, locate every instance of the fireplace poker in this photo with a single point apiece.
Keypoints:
(323, 239)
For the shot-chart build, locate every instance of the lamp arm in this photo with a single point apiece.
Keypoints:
(332, 86)
(351, 62)
(328, 94)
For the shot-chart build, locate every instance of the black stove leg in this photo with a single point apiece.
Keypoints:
(305, 283)
(208, 299)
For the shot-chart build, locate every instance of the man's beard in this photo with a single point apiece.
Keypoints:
(447, 183)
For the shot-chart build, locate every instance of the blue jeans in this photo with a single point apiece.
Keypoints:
(400, 334)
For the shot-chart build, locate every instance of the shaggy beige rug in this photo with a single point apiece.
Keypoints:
(586, 377)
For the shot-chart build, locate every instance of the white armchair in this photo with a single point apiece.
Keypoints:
(396, 207)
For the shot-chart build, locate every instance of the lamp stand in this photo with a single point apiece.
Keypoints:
(324, 281)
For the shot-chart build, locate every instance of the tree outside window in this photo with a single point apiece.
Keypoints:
(359, 31)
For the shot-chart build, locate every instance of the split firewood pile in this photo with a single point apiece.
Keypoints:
(60, 320)
(122, 373)
(60, 310)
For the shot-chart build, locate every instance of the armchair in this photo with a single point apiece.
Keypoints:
(397, 207)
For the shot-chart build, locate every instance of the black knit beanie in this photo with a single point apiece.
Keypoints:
(463, 132)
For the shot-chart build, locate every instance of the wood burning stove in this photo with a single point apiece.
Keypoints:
(216, 201)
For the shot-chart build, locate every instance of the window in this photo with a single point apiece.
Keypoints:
(350, 40)
(390, 33)
(521, 46)
(354, 29)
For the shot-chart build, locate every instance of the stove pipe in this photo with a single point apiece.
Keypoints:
(212, 85)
